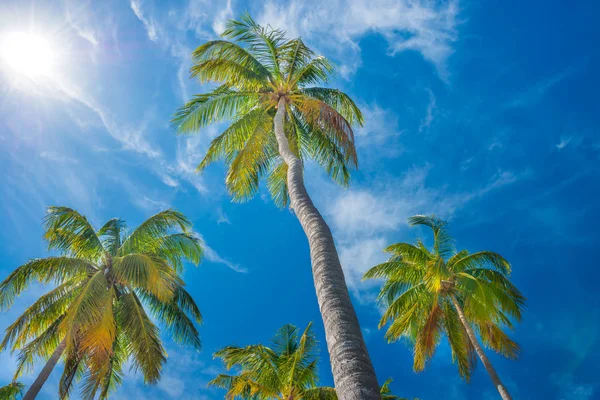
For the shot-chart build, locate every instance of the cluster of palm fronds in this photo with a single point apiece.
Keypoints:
(253, 68)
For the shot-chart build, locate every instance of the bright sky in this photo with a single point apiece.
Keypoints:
(484, 113)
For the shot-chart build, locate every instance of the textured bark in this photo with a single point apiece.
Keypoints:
(353, 372)
(35, 388)
(479, 350)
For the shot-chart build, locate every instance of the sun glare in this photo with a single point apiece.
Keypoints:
(27, 54)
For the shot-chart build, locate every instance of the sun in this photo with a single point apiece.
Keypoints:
(28, 54)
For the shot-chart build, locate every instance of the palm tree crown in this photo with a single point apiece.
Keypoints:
(286, 370)
(96, 313)
(12, 391)
(256, 69)
(421, 284)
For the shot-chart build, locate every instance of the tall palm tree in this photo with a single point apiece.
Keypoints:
(428, 292)
(12, 391)
(286, 370)
(96, 316)
(278, 122)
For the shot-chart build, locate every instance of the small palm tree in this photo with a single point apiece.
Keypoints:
(431, 292)
(386, 392)
(279, 121)
(287, 370)
(12, 391)
(95, 316)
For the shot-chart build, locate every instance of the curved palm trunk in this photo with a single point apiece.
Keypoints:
(35, 388)
(479, 350)
(353, 372)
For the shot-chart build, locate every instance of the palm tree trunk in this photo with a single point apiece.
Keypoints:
(35, 388)
(353, 372)
(479, 350)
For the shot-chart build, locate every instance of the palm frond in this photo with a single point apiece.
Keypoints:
(250, 164)
(277, 184)
(316, 71)
(320, 393)
(143, 341)
(463, 353)
(337, 100)
(146, 235)
(443, 243)
(483, 259)
(39, 349)
(182, 328)
(221, 104)
(262, 42)
(111, 234)
(233, 139)
(146, 272)
(40, 315)
(177, 248)
(55, 270)
(70, 232)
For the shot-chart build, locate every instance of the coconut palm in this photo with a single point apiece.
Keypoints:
(430, 292)
(285, 370)
(97, 317)
(279, 121)
(12, 391)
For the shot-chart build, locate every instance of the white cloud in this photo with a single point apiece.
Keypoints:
(82, 28)
(222, 218)
(221, 18)
(429, 113)
(364, 220)
(213, 256)
(149, 23)
(564, 142)
(380, 127)
(424, 26)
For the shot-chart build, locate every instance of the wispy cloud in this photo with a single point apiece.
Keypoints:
(424, 26)
(429, 113)
(365, 219)
(83, 30)
(536, 92)
(149, 23)
(212, 256)
(222, 218)
(564, 142)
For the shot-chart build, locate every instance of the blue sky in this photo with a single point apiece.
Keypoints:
(482, 112)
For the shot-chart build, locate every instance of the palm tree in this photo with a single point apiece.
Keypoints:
(278, 122)
(287, 370)
(12, 391)
(428, 292)
(96, 316)
(386, 392)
